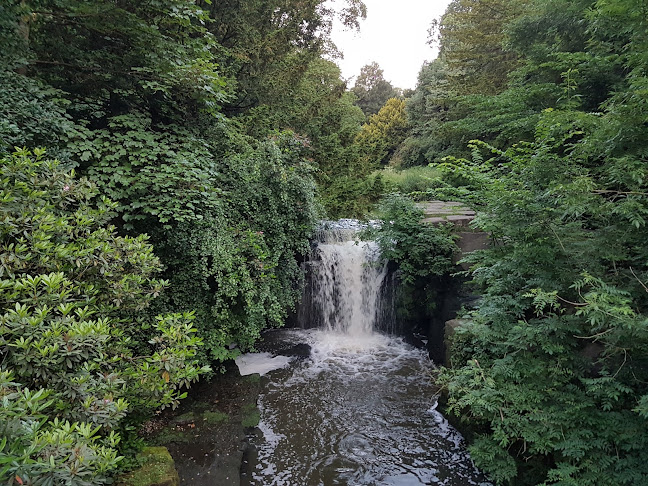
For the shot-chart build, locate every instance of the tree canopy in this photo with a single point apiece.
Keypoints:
(545, 139)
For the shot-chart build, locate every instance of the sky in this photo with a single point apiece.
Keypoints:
(394, 35)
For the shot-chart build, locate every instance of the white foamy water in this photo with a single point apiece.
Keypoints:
(260, 363)
(349, 285)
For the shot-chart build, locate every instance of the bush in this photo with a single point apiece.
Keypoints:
(420, 250)
(71, 291)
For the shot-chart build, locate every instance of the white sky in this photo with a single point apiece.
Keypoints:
(394, 35)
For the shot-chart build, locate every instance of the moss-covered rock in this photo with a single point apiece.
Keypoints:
(250, 415)
(214, 417)
(157, 469)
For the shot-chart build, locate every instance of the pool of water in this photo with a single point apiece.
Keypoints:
(360, 411)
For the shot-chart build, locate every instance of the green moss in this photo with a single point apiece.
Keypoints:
(215, 417)
(157, 469)
(250, 415)
(201, 406)
(185, 418)
(171, 434)
(254, 378)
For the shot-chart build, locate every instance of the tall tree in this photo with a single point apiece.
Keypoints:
(372, 89)
(471, 36)
(260, 39)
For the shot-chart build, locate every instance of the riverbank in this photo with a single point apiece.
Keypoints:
(206, 435)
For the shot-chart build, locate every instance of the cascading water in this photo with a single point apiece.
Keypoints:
(349, 289)
(348, 282)
(360, 411)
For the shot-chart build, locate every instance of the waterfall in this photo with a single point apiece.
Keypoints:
(349, 287)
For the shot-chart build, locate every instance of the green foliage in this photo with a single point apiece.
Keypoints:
(421, 250)
(383, 133)
(554, 360)
(267, 45)
(32, 115)
(471, 38)
(552, 365)
(206, 123)
(372, 90)
(323, 115)
(156, 177)
(414, 179)
(244, 274)
(34, 450)
(71, 289)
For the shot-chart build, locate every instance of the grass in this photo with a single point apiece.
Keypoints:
(413, 179)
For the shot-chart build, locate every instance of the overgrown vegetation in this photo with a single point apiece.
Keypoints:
(552, 366)
(207, 136)
(422, 252)
(176, 112)
(76, 357)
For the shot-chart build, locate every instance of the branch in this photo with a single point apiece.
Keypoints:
(625, 358)
(635, 276)
(595, 336)
(577, 304)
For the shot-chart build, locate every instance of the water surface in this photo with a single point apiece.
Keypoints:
(359, 412)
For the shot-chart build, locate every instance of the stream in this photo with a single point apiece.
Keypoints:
(360, 410)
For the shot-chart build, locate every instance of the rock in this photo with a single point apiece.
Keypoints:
(450, 329)
(439, 212)
(302, 350)
(157, 469)
(436, 212)
(468, 242)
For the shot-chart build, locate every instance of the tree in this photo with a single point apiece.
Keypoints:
(372, 90)
(471, 35)
(261, 40)
(383, 133)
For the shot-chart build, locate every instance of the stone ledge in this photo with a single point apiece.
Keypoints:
(438, 212)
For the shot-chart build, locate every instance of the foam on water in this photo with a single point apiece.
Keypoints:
(260, 363)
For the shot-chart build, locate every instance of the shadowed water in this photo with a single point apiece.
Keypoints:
(361, 411)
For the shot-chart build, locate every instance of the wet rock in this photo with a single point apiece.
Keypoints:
(206, 436)
(281, 342)
(416, 340)
(157, 469)
(302, 350)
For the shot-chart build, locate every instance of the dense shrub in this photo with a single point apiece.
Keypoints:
(71, 290)
(421, 250)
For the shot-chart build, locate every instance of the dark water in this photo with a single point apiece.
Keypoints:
(360, 411)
